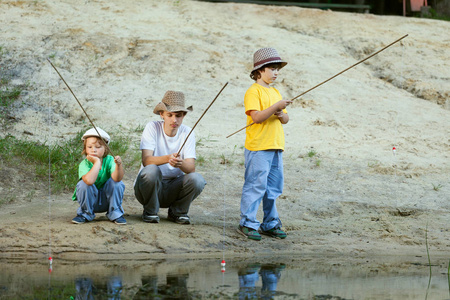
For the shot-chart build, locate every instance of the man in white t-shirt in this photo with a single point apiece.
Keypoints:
(166, 180)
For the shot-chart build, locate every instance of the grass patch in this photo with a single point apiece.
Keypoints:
(200, 160)
(312, 153)
(312, 156)
(63, 158)
(433, 14)
(437, 187)
(8, 93)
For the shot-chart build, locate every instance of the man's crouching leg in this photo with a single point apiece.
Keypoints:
(147, 190)
(193, 185)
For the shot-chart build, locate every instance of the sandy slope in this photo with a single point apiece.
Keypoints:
(353, 197)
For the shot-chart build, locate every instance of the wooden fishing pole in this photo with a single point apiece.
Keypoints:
(92, 123)
(178, 154)
(363, 60)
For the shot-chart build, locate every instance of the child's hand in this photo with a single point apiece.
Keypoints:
(174, 161)
(118, 160)
(282, 104)
(92, 159)
(279, 113)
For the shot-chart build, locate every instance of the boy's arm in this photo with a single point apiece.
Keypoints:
(149, 159)
(261, 116)
(186, 165)
(284, 118)
(90, 177)
(118, 173)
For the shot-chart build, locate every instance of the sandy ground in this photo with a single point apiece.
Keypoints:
(354, 198)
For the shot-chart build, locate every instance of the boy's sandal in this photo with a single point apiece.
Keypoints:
(249, 233)
(275, 233)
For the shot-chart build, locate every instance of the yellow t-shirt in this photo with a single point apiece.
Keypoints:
(269, 134)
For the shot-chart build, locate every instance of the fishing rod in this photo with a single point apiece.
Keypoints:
(92, 123)
(354, 65)
(178, 154)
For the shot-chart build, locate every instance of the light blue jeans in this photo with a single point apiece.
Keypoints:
(107, 199)
(263, 182)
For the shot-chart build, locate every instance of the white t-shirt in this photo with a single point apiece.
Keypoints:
(154, 138)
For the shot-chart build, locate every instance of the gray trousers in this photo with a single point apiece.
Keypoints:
(177, 194)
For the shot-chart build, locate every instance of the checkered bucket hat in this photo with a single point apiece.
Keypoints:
(266, 56)
(172, 101)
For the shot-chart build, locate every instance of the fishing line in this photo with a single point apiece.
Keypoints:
(223, 263)
(50, 259)
(395, 141)
(225, 181)
(49, 118)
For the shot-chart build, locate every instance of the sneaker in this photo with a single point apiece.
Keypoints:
(79, 220)
(150, 218)
(120, 221)
(250, 233)
(275, 233)
(178, 219)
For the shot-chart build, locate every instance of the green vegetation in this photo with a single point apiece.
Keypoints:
(312, 153)
(437, 187)
(8, 93)
(312, 156)
(200, 160)
(373, 164)
(62, 158)
(434, 15)
(429, 260)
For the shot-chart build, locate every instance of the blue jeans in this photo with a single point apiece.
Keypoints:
(107, 199)
(263, 182)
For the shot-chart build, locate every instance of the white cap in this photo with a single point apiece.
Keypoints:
(93, 132)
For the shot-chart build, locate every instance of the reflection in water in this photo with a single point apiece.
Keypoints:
(249, 276)
(294, 278)
(174, 288)
(87, 290)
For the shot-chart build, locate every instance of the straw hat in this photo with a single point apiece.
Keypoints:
(172, 101)
(266, 56)
(92, 132)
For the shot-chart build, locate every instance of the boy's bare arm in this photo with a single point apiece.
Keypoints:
(90, 177)
(187, 165)
(149, 159)
(118, 173)
(261, 116)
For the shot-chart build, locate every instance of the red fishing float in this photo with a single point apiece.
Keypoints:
(223, 265)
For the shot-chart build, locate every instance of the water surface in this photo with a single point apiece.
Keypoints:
(250, 278)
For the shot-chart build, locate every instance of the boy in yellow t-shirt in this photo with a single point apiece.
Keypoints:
(264, 146)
